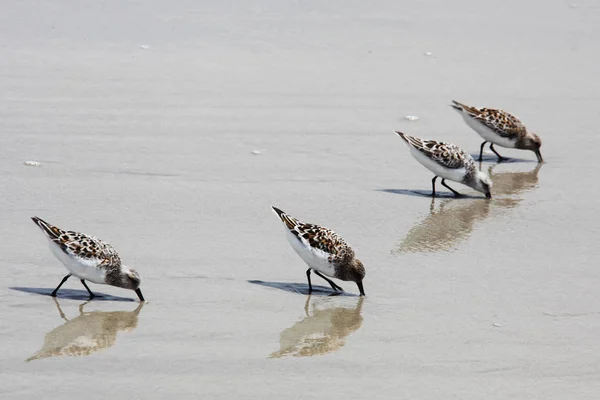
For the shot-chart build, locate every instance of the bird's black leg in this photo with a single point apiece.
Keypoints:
(500, 158)
(309, 283)
(453, 191)
(331, 283)
(92, 295)
(481, 151)
(53, 294)
(433, 186)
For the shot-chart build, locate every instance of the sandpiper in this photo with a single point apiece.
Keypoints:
(499, 127)
(448, 161)
(89, 258)
(324, 251)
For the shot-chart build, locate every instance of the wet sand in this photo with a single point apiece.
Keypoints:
(144, 117)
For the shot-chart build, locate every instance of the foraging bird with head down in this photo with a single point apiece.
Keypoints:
(325, 252)
(499, 127)
(89, 259)
(448, 161)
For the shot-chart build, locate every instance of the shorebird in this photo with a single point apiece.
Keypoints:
(89, 258)
(448, 161)
(499, 127)
(324, 251)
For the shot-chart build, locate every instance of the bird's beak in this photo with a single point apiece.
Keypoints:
(360, 288)
(488, 195)
(539, 156)
(139, 293)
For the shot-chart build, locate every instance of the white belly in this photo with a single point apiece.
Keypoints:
(82, 269)
(315, 258)
(488, 134)
(456, 174)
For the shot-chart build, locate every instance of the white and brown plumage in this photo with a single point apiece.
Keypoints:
(448, 161)
(324, 251)
(499, 127)
(89, 259)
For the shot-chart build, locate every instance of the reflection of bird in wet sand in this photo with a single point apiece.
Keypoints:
(322, 331)
(510, 184)
(453, 221)
(87, 333)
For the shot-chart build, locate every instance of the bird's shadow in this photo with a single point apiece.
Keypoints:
(72, 294)
(491, 158)
(427, 193)
(301, 288)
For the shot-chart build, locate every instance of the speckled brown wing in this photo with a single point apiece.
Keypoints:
(445, 154)
(321, 238)
(80, 245)
(90, 250)
(88, 247)
(316, 236)
(504, 124)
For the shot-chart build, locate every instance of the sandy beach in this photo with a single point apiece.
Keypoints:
(170, 128)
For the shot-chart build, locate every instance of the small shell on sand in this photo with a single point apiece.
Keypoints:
(32, 163)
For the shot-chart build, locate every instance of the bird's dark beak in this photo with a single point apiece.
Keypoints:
(488, 195)
(139, 293)
(360, 288)
(539, 156)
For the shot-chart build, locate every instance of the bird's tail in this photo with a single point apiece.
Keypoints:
(50, 230)
(411, 140)
(402, 135)
(464, 108)
(288, 220)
